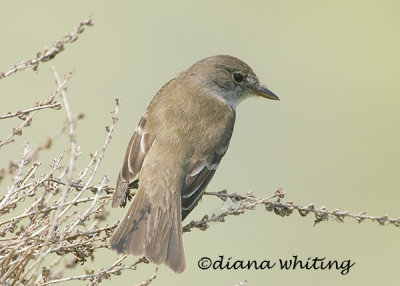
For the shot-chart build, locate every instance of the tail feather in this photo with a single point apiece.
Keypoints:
(131, 232)
(158, 229)
(154, 231)
(176, 259)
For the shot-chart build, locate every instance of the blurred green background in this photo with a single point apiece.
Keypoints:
(332, 140)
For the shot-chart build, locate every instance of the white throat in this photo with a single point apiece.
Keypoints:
(230, 99)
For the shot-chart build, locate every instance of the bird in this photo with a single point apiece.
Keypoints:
(175, 151)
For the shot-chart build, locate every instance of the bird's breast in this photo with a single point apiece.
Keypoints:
(189, 120)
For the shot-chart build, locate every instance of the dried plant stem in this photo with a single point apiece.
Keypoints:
(49, 54)
(28, 116)
(21, 114)
(116, 268)
(55, 217)
(150, 279)
(248, 201)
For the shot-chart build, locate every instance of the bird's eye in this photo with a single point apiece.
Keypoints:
(238, 77)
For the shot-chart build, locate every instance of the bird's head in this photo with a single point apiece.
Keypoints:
(227, 78)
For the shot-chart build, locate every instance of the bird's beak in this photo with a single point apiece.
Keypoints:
(264, 92)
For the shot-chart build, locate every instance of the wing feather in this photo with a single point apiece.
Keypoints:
(200, 172)
(135, 153)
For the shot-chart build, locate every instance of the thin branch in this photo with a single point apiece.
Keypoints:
(323, 214)
(27, 120)
(18, 130)
(45, 145)
(22, 114)
(49, 54)
(274, 204)
(108, 139)
(16, 179)
(150, 279)
(116, 268)
(248, 202)
(49, 209)
(57, 214)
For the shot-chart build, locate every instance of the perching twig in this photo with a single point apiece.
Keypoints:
(274, 204)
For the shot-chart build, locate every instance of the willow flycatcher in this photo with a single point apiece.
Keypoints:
(177, 147)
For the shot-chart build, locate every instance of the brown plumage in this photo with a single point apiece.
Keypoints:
(176, 148)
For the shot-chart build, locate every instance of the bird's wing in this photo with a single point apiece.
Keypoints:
(135, 153)
(200, 172)
(137, 149)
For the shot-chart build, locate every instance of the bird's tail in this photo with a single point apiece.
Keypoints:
(154, 231)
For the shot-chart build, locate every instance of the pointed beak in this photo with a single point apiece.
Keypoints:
(264, 92)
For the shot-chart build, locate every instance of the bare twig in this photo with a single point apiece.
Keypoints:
(55, 216)
(116, 268)
(274, 204)
(49, 54)
(22, 114)
(248, 202)
(27, 118)
(323, 214)
(150, 279)
(17, 178)
(33, 154)
(18, 130)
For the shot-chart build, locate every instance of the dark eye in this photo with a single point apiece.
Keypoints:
(238, 77)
